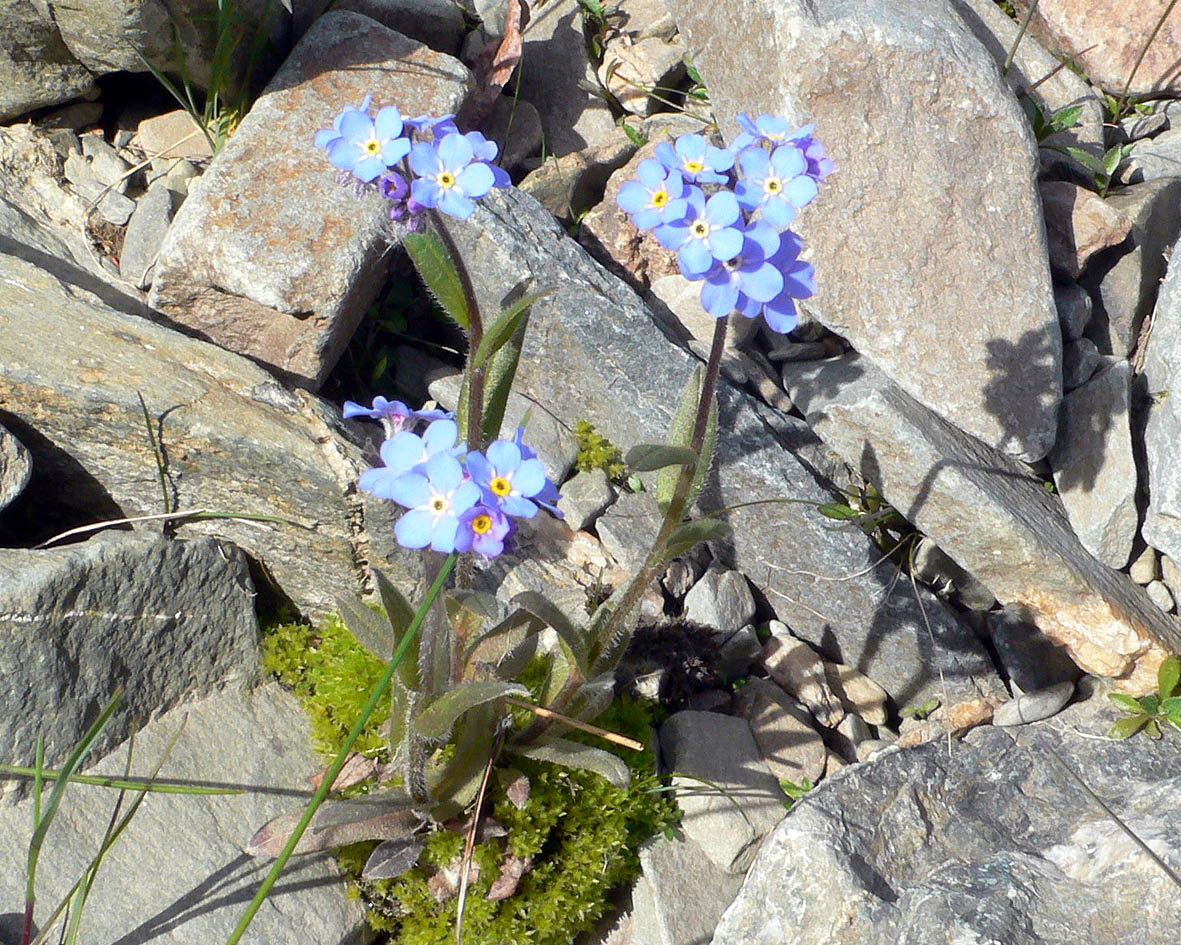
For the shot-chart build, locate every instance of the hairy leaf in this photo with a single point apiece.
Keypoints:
(576, 755)
(436, 720)
(1126, 702)
(681, 434)
(498, 334)
(392, 858)
(1126, 728)
(434, 264)
(649, 456)
(336, 824)
(690, 534)
(573, 639)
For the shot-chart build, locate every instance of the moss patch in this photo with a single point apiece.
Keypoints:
(580, 833)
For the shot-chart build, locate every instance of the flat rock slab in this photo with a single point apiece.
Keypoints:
(593, 351)
(283, 280)
(990, 515)
(36, 69)
(161, 618)
(995, 843)
(1162, 376)
(233, 439)
(15, 467)
(1107, 37)
(177, 875)
(932, 216)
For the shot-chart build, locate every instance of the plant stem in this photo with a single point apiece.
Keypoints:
(342, 756)
(1123, 99)
(1017, 41)
(676, 507)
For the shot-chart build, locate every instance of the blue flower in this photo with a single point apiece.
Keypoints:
(436, 501)
(325, 138)
(707, 234)
(448, 176)
(408, 452)
(696, 159)
(820, 165)
(482, 529)
(403, 206)
(366, 146)
(393, 414)
(507, 479)
(656, 198)
(776, 183)
(486, 151)
(438, 127)
(748, 277)
(549, 495)
(765, 128)
(799, 282)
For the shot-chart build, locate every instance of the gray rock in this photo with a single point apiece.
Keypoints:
(112, 205)
(738, 653)
(164, 619)
(294, 307)
(851, 734)
(1145, 567)
(932, 565)
(636, 70)
(1079, 224)
(800, 671)
(584, 497)
(985, 241)
(233, 439)
(553, 70)
(556, 446)
(786, 734)
(1161, 596)
(568, 185)
(1123, 280)
(1030, 659)
(174, 37)
(703, 747)
(1162, 378)
(1080, 360)
(1138, 126)
(990, 515)
(104, 162)
(721, 601)
(435, 23)
(604, 342)
(178, 875)
(1036, 72)
(1094, 469)
(799, 351)
(1154, 158)
(912, 849)
(1074, 306)
(1171, 575)
(676, 873)
(628, 527)
(1034, 706)
(145, 234)
(36, 69)
(15, 467)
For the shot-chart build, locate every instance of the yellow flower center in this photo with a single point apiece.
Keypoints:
(446, 179)
(439, 504)
(500, 486)
(773, 185)
(482, 524)
(694, 167)
(660, 198)
(373, 146)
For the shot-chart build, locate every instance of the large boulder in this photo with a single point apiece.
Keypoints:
(931, 251)
(993, 840)
(36, 69)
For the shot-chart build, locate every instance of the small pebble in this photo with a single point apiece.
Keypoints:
(1034, 706)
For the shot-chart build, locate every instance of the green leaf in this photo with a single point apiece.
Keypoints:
(436, 720)
(649, 456)
(434, 264)
(572, 638)
(574, 755)
(518, 620)
(1150, 703)
(1152, 729)
(497, 335)
(498, 381)
(690, 534)
(1126, 702)
(1085, 158)
(1065, 117)
(397, 608)
(1170, 705)
(1168, 676)
(839, 511)
(681, 434)
(1111, 159)
(556, 676)
(1126, 728)
(1174, 717)
(638, 138)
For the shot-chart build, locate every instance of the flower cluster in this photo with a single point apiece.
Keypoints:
(457, 500)
(417, 163)
(726, 212)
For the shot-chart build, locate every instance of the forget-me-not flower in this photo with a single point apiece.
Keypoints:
(696, 159)
(799, 282)
(482, 529)
(366, 147)
(657, 197)
(393, 414)
(775, 183)
(408, 452)
(711, 231)
(449, 176)
(436, 498)
(509, 480)
(749, 275)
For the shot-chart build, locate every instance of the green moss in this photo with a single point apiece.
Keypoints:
(581, 833)
(595, 451)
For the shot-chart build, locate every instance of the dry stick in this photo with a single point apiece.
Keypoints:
(191, 513)
(1058, 68)
(1017, 41)
(574, 723)
(1123, 99)
(470, 844)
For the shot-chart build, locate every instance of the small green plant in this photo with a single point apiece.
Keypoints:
(1045, 125)
(795, 791)
(1154, 710)
(921, 712)
(868, 510)
(595, 451)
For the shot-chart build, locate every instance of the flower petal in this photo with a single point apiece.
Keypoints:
(504, 455)
(413, 530)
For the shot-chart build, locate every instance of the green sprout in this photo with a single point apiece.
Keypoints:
(795, 791)
(1151, 711)
(920, 712)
